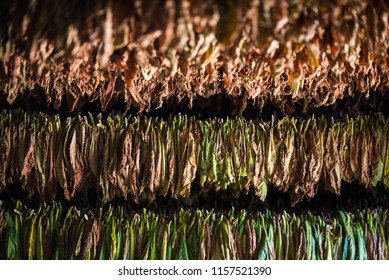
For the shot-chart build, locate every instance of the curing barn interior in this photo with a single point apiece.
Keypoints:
(178, 129)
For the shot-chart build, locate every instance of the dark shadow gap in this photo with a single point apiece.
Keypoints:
(352, 198)
(217, 106)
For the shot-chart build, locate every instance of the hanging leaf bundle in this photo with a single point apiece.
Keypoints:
(147, 158)
(286, 53)
(51, 232)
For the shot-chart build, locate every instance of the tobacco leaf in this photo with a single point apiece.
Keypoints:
(299, 185)
(60, 174)
(378, 151)
(13, 237)
(113, 147)
(51, 180)
(386, 165)
(5, 151)
(344, 151)
(355, 150)
(191, 154)
(125, 164)
(332, 176)
(28, 175)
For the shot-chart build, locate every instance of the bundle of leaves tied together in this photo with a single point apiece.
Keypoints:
(52, 232)
(150, 157)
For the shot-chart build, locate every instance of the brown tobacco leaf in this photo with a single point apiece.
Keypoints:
(355, 152)
(344, 152)
(331, 171)
(181, 136)
(16, 157)
(287, 156)
(259, 145)
(206, 244)
(172, 164)
(151, 166)
(191, 154)
(156, 140)
(251, 239)
(113, 143)
(125, 165)
(289, 161)
(2, 226)
(60, 173)
(301, 249)
(146, 160)
(86, 234)
(41, 160)
(104, 153)
(5, 154)
(299, 186)
(51, 181)
(106, 97)
(280, 136)
(136, 164)
(47, 238)
(366, 158)
(76, 159)
(96, 235)
(66, 158)
(93, 154)
(315, 150)
(28, 174)
(91, 236)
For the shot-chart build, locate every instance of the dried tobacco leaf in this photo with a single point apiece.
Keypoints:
(331, 170)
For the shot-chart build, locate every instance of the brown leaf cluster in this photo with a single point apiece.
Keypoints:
(143, 53)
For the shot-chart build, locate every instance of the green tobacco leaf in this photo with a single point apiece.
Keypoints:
(31, 240)
(165, 241)
(39, 239)
(13, 244)
(182, 242)
(279, 248)
(131, 237)
(349, 246)
(327, 245)
(120, 243)
(153, 241)
(361, 246)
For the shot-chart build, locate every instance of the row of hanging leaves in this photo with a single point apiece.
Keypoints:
(154, 157)
(51, 232)
(281, 52)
